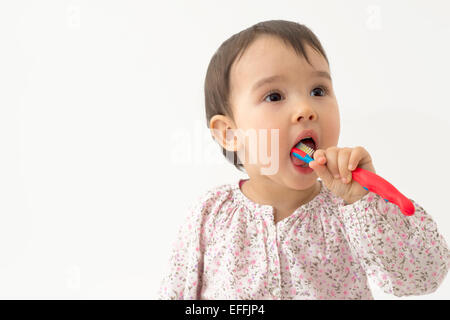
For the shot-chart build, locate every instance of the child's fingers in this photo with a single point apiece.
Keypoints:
(358, 153)
(332, 161)
(343, 160)
(319, 155)
(321, 169)
(354, 159)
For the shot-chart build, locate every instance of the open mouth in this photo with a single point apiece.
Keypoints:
(308, 142)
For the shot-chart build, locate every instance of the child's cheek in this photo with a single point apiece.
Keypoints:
(262, 146)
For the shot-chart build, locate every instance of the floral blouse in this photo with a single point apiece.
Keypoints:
(229, 247)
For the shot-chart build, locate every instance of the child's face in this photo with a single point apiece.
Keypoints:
(292, 104)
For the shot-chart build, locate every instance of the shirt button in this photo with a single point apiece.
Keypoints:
(276, 293)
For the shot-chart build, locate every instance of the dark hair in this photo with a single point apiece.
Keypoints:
(217, 81)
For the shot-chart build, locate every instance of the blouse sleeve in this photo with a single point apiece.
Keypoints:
(405, 255)
(183, 277)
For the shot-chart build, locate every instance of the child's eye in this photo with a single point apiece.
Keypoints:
(319, 90)
(273, 94)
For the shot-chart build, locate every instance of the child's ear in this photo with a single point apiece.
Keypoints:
(223, 131)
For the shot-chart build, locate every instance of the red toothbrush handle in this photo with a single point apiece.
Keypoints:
(374, 183)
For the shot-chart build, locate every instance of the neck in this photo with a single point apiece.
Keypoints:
(267, 192)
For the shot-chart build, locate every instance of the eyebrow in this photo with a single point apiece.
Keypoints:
(321, 74)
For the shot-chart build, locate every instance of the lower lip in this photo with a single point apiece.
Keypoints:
(302, 170)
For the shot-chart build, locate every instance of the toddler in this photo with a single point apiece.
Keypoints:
(300, 231)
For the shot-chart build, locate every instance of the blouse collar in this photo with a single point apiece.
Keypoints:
(242, 198)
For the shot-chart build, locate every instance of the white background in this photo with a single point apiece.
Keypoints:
(95, 95)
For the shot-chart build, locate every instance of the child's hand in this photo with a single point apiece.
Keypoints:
(333, 164)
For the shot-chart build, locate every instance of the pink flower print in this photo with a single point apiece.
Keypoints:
(434, 274)
(400, 243)
(403, 235)
(238, 290)
(253, 261)
(380, 230)
(422, 218)
(334, 260)
(350, 258)
(399, 282)
(384, 277)
(287, 242)
(345, 292)
(301, 276)
(332, 293)
(287, 268)
(410, 275)
(380, 252)
(236, 253)
(433, 243)
(388, 239)
(293, 291)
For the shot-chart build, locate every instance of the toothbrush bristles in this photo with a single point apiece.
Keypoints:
(305, 148)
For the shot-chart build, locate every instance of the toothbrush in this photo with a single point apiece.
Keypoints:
(368, 180)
